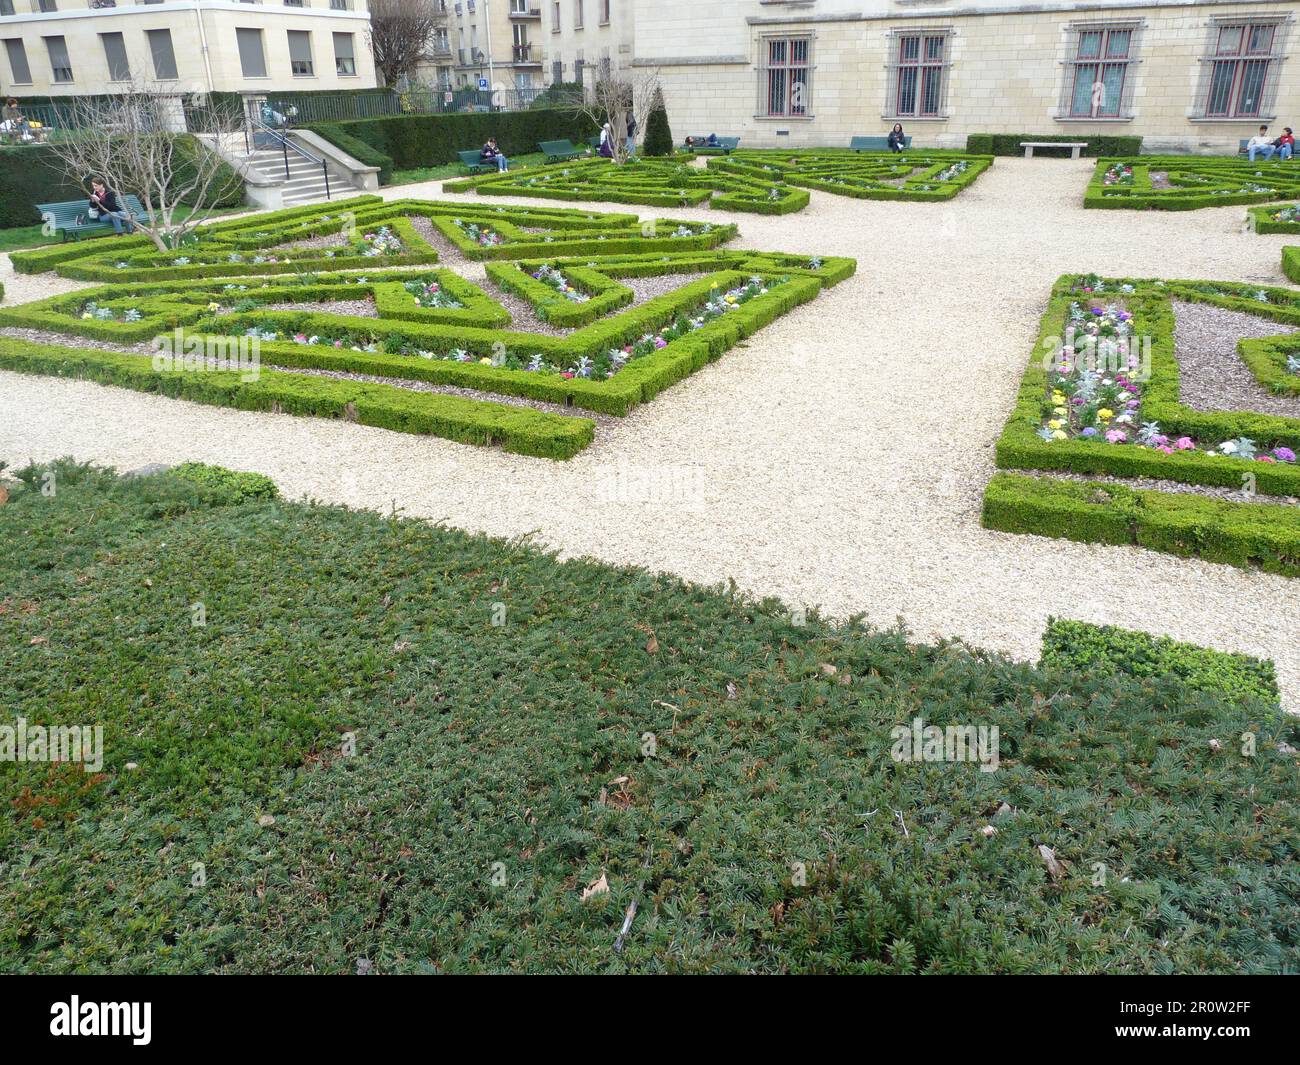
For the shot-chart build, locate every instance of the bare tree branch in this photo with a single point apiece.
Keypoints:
(617, 95)
(135, 142)
(401, 33)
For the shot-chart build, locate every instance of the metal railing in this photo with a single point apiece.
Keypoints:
(259, 134)
(311, 108)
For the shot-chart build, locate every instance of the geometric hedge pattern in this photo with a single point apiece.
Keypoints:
(1123, 418)
(759, 181)
(356, 287)
(1184, 183)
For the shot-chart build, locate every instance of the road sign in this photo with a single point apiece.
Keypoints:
(482, 84)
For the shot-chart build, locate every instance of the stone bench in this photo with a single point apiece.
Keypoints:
(1076, 147)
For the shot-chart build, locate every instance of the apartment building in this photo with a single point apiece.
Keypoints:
(1186, 75)
(496, 40)
(84, 47)
(586, 37)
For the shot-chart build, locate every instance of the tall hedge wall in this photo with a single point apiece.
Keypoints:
(32, 174)
(404, 142)
(1009, 143)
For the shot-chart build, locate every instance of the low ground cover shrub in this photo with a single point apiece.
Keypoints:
(775, 745)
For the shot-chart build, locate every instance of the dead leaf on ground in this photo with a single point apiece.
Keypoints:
(1055, 867)
(827, 669)
(599, 886)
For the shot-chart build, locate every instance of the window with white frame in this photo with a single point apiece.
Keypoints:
(1242, 68)
(577, 14)
(345, 58)
(604, 12)
(555, 16)
(60, 64)
(1100, 70)
(785, 77)
(917, 85)
(300, 64)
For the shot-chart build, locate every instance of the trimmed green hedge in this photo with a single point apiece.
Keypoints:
(1009, 143)
(1291, 263)
(1263, 535)
(405, 142)
(1193, 182)
(32, 174)
(468, 421)
(862, 175)
(1263, 222)
(231, 487)
(1087, 648)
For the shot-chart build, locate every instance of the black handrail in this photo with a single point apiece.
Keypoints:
(259, 126)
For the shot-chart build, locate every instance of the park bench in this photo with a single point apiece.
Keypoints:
(556, 151)
(474, 162)
(1075, 147)
(725, 145)
(69, 218)
(874, 144)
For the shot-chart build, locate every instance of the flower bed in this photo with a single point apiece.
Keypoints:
(1275, 219)
(1185, 183)
(429, 325)
(1101, 397)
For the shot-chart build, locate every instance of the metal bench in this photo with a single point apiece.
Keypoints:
(556, 151)
(1076, 147)
(474, 162)
(70, 219)
(875, 144)
(725, 145)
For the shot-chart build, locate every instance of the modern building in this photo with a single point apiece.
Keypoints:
(494, 40)
(85, 47)
(1183, 74)
(585, 37)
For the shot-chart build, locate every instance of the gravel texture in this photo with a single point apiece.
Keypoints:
(1211, 373)
(837, 458)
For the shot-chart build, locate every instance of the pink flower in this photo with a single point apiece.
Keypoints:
(1165, 448)
(1184, 443)
(1116, 436)
(660, 342)
(1265, 458)
(567, 376)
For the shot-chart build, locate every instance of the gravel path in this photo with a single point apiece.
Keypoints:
(1211, 373)
(836, 458)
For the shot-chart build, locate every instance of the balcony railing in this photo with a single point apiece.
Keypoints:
(522, 9)
(523, 53)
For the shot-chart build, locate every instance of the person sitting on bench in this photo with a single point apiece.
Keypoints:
(105, 203)
(1260, 143)
(897, 142)
(712, 141)
(490, 154)
(1285, 143)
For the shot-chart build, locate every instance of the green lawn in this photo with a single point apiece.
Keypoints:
(21, 237)
(715, 759)
(456, 170)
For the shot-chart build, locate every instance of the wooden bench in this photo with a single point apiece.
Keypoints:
(875, 144)
(1076, 147)
(556, 151)
(474, 162)
(70, 219)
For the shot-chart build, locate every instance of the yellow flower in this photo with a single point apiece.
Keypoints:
(214, 306)
(1055, 423)
(486, 361)
(1105, 412)
(1058, 398)
(1061, 411)
(86, 314)
(1058, 435)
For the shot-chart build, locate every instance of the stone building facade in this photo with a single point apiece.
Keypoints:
(88, 47)
(1187, 76)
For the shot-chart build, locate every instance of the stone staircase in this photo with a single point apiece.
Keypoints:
(305, 183)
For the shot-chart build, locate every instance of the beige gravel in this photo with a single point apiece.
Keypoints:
(837, 458)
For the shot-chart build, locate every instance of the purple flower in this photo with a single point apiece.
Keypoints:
(1284, 454)
(1090, 431)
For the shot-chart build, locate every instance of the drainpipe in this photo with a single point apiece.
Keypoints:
(203, 41)
(492, 80)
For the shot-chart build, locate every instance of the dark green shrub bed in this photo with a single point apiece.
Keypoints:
(1009, 143)
(362, 764)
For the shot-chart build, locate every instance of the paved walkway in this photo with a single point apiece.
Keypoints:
(838, 458)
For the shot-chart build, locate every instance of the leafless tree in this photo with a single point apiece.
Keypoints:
(135, 141)
(400, 33)
(615, 96)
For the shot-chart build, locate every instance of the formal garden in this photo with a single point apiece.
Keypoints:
(1186, 183)
(757, 181)
(373, 738)
(608, 311)
(1127, 403)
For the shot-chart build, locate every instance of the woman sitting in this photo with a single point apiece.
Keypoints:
(104, 202)
(897, 141)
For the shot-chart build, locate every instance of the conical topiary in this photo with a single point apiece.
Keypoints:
(658, 137)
